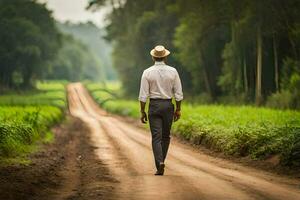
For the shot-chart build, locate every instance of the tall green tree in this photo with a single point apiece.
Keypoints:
(29, 40)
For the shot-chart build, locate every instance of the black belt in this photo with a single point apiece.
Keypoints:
(151, 99)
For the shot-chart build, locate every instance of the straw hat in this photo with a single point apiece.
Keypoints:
(159, 52)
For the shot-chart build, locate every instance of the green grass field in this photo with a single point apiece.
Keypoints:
(25, 118)
(47, 93)
(236, 130)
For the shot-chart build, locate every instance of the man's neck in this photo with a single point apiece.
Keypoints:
(159, 63)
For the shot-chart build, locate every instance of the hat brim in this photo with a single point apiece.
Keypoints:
(167, 52)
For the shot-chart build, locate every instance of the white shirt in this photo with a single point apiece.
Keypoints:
(160, 81)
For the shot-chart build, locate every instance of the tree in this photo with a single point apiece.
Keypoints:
(29, 39)
(200, 38)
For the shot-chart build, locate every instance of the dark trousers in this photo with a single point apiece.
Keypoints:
(160, 119)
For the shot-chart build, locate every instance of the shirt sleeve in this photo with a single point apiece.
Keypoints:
(144, 88)
(178, 88)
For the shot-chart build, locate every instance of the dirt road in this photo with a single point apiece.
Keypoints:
(126, 151)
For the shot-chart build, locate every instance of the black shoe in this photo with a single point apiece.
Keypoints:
(161, 169)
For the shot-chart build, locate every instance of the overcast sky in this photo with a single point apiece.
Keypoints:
(74, 11)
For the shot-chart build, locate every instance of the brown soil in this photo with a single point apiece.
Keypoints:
(65, 169)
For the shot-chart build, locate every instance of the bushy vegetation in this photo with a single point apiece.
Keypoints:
(243, 130)
(236, 130)
(20, 127)
(289, 95)
(104, 92)
(26, 118)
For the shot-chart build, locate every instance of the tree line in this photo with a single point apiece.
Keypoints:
(92, 36)
(32, 47)
(225, 50)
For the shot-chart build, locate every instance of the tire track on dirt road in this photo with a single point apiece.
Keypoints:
(189, 175)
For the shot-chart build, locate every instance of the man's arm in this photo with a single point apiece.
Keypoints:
(178, 97)
(143, 112)
(178, 105)
(144, 93)
(177, 113)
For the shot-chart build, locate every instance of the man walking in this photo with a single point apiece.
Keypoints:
(160, 83)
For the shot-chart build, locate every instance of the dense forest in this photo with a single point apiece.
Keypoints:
(225, 50)
(34, 48)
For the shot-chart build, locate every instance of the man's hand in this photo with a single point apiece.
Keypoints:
(144, 118)
(177, 115)
(143, 113)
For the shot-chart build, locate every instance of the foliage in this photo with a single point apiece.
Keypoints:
(242, 131)
(223, 48)
(26, 118)
(22, 126)
(74, 62)
(134, 31)
(92, 36)
(33, 48)
(110, 86)
(48, 93)
(51, 85)
(289, 95)
(280, 100)
(103, 93)
(29, 40)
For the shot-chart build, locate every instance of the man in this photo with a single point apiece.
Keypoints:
(160, 83)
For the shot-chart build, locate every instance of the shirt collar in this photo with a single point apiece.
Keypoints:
(159, 63)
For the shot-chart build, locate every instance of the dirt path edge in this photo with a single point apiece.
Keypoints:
(64, 169)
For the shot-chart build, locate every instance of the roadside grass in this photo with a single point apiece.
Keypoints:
(25, 120)
(51, 85)
(110, 86)
(104, 92)
(123, 107)
(242, 131)
(258, 133)
(47, 93)
(48, 138)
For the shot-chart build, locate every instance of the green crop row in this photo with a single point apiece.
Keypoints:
(243, 131)
(104, 93)
(111, 87)
(236, 130)
(22, 126)
(51, 85)
(26, 117)
(48, 93)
